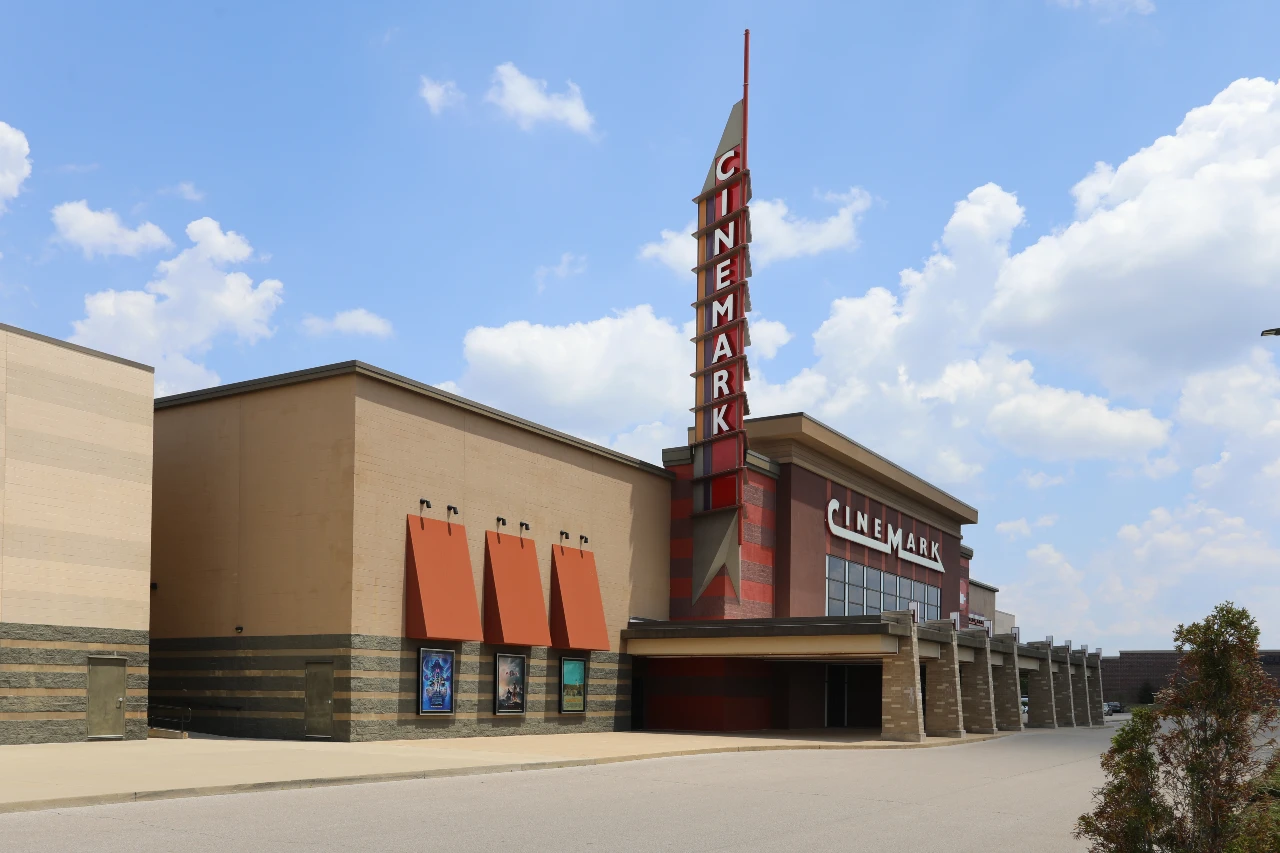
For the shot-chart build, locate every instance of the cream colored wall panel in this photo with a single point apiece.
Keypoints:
(78, 393)
(253, 513)
(59, 499)
(44, 592)
(195, 529)
(58, 420)
(24, 351)
(409, 447)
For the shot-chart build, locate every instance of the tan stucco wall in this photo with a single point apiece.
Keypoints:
(409, 446)
(75, 511)
(982, 602)
(254, 513)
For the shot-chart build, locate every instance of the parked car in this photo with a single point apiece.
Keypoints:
(1024, 704)
(1111, 707)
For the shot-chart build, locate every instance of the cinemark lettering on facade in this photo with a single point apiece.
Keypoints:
(862, 529)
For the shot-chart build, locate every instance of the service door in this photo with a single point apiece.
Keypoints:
(105, 715)
(319, 711)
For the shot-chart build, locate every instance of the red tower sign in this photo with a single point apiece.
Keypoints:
(719, 442)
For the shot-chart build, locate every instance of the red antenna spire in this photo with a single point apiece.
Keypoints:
(746, 76)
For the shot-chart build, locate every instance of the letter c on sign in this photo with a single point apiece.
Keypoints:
(721, 174)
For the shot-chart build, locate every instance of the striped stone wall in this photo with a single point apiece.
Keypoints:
(44, 671)
(254, 687)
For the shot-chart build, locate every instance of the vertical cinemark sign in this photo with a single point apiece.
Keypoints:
(724, 265)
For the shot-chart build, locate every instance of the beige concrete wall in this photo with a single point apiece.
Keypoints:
(409, 446)
(76, 491)
(982, 601)
(254, 513)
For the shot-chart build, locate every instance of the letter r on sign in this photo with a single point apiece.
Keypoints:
(719, 384)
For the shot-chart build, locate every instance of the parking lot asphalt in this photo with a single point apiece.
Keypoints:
(1013, 793)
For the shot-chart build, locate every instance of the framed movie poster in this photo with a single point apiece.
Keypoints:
(435, 681)
(509, 684)
(573, 686)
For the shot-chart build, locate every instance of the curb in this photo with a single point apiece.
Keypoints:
(117, 798)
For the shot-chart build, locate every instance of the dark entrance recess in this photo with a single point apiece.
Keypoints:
(853, 695)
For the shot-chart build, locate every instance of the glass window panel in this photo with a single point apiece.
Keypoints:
(835, 589)
(917, 592)
(872, 609)
(873, 578)
(856, 574)
(890, 602)
(932, 595)
(932, 611)
(835, 607)
(855, 609)
(835, 568)
(855, 595)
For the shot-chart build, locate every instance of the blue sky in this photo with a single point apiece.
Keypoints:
(495, 200)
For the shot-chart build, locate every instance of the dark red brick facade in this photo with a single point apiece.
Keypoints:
(759, 534)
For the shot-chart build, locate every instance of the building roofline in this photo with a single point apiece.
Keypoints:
(360, 368)
(973, 582)
(58, 342)
(814, 433)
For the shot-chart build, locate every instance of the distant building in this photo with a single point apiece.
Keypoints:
(1134, 677)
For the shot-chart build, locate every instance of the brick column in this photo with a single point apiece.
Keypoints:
(1064, 702)
(901, 713)
(977, 698)
(1005, 686)
(943, 716)
(1080, 689)
(1095, 688)
(1042, 710)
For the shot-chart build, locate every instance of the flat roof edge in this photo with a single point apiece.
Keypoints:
(923, 488)
(360, 368)
(58, 342)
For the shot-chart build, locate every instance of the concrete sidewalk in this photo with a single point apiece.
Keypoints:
(54, 775)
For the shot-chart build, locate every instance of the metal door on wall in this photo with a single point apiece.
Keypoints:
(106, 697)
(318, 716)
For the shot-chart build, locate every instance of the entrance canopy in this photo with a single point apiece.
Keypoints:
(808, 638)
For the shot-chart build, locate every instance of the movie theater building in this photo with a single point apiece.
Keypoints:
(347, 553)
(323, 539)
(75, 541)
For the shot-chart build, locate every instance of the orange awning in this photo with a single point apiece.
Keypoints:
(440, 592)
(577, 614)
(515, 613)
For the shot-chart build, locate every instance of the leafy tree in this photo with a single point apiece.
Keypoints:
(1193, 775)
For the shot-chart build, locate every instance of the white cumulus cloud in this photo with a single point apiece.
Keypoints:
(767, 337)
(1014, 529)
(177, 317)
(15, 162)
(357, 321)
(100, 232)
(440, 95)
(569, 265)
(1111, 8)
(526, 101)
(777, 233)
(1172, 258)
(595, 379)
